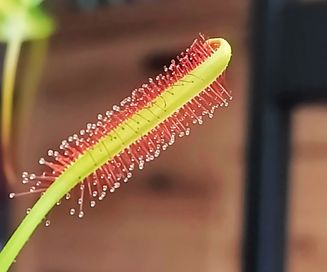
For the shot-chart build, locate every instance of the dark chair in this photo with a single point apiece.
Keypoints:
(289, 58)
(3, 190)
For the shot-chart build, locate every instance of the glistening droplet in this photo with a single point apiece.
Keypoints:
(12, 195)
(81, 214)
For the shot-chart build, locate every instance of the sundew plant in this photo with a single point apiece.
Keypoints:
(94, 162)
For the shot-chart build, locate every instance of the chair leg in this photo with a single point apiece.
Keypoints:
(264, 247)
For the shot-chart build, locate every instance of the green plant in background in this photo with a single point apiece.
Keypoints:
(132, 133)
(20, 20)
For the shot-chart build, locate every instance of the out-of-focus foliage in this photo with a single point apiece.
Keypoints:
(24, 20)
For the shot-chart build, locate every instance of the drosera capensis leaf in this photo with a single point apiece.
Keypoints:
(143, 125)
(20, 20)
(7, 95)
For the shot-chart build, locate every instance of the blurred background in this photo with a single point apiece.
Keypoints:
(246, 192)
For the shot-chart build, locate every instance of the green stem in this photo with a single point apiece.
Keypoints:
(28, 90)
(41, 208)
(9, 74)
